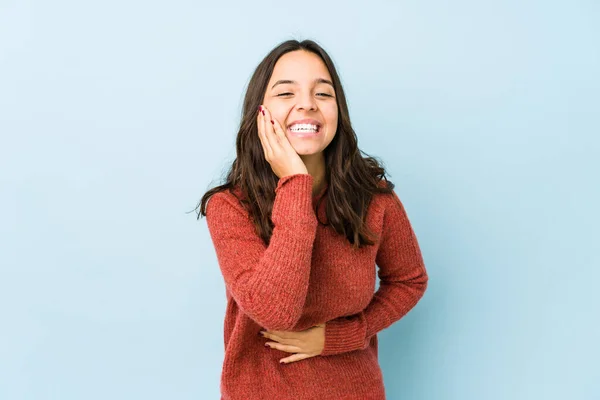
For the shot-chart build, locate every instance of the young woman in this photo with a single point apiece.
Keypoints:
(298, 228)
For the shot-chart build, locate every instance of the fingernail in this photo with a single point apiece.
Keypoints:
(263, 111)
(259, 108)
(267, 345)
(272, 122)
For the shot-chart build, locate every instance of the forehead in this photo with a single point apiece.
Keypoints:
(301, 66)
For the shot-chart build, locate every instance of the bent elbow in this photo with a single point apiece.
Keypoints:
(279, 324)
(278, 319)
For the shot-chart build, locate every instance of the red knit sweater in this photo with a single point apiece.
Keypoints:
(308, 275)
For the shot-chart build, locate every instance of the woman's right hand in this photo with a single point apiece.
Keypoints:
(278, 150)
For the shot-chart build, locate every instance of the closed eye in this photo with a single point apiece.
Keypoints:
(288, 93)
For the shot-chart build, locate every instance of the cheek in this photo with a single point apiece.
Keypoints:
(277, 111)
(331, 115)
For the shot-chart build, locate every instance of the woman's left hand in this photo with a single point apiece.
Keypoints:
(304, 344)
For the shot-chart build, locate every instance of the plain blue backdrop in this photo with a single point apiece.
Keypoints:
(116, 116)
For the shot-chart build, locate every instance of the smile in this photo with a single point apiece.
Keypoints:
(303, 130)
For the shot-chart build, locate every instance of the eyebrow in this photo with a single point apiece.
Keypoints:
(288, 81)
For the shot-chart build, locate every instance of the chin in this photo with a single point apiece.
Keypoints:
(305, 151)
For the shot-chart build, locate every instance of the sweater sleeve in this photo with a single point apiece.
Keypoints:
(269, 283)
(403, 280)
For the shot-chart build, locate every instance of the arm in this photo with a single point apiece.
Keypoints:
(269, 283)
(403, 280)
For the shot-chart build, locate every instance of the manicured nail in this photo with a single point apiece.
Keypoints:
(263, 111)
(272, 122)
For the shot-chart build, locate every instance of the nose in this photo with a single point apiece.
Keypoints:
(306, 101)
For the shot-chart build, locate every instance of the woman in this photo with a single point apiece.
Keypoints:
(298, 228)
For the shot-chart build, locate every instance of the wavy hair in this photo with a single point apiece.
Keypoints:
(352, 179)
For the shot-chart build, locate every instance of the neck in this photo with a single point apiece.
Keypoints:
(315, 164)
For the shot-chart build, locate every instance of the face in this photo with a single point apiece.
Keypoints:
(300, 88)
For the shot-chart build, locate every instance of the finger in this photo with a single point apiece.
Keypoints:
(270, 131)
(279, 338)
(284, 347)
(260, 122)
(272, 336)
(283, 139)
(293, 358)
(280, 334)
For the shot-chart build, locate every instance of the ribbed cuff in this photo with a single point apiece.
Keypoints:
(293, 200)
(345, 334)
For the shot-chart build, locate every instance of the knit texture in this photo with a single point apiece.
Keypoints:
(306, 276)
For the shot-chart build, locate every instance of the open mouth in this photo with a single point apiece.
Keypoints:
(302, 130)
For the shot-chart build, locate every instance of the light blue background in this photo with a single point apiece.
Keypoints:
(116, 116)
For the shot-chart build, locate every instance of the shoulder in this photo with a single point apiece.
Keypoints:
(225, 203)
(386, 200)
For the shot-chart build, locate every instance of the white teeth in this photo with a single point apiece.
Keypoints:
(304, 128)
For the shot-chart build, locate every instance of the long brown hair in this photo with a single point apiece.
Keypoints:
(352, 179)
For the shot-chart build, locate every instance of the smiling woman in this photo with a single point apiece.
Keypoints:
(298, 228)
(310, 94)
